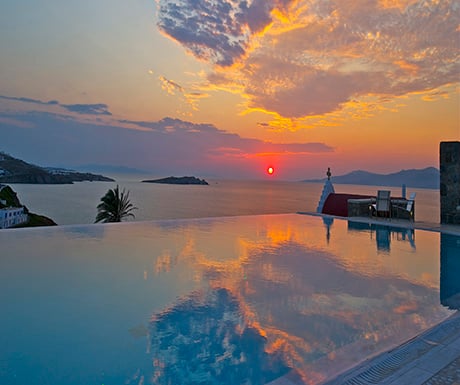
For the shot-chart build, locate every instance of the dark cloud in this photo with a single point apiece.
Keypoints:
(257, 15)
(165, 125)
(167, 146)
(215, 30)
(89, 109)
(209, 29)
(29, 100)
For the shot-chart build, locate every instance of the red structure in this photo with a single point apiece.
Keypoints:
(337, 204)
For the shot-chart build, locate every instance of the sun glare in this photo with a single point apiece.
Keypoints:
(270, 170)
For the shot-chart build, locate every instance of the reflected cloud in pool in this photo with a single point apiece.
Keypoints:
(205, 338)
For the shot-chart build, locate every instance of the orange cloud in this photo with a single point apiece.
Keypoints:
(411, 68)
(191, 98)
(399, 4)
(306, 58)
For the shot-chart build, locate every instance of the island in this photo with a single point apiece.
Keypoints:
(178, 180)
(13, 170)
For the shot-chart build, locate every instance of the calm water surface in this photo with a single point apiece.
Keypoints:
(76, 204)
(235, 300)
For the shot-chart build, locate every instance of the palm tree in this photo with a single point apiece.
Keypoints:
(115, 206)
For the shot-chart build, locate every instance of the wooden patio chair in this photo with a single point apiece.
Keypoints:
(382, 206)
(409, 208)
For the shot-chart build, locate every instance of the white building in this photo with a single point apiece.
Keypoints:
(12, 216)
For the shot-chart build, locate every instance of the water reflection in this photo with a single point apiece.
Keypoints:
(449, 255)
(206, 339)
(215, 298)
(450, 268)
(309, 300)
(328, 222)
(84, 231)
(384, 234)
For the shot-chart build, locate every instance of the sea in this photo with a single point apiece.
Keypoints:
(77, 203)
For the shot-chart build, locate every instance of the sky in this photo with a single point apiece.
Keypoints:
(228, 88)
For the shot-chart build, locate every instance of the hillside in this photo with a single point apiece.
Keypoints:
(9, 198)
(14, 170)
(415, 178)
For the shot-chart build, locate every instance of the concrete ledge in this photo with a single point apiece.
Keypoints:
(415, 362)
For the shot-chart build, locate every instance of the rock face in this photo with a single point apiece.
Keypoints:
(14, 170)
(8, 197)
(178, 180)
(36, 220)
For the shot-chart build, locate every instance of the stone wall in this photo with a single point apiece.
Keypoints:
(449, 166)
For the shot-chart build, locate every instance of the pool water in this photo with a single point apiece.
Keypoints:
(235, 300)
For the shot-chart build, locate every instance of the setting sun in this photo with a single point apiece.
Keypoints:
(270, 170)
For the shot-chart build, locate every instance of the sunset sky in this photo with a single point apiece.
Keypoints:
(226, 88)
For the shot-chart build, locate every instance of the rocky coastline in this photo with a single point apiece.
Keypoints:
(13, 170)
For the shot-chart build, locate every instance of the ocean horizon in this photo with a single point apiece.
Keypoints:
(76, 203)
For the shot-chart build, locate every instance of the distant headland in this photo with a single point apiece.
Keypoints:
(178, 180)
(13, 170)
(415, 178)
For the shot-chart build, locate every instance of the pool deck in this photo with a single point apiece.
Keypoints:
(432, 358)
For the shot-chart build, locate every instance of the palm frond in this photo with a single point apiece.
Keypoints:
(115, 206)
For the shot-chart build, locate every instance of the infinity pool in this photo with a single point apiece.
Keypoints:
(237, 300)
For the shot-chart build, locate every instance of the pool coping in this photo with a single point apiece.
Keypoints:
(429, 358)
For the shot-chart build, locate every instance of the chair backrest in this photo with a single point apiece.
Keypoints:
(410, 202)
(383, 200)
